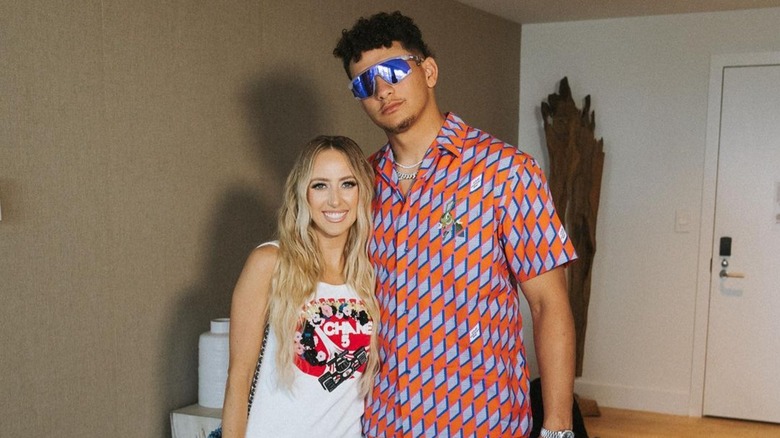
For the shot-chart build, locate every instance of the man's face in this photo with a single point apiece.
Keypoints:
(395, 108)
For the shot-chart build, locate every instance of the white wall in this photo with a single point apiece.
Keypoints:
(648, 80)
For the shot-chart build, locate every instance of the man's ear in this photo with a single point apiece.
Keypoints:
(431, 70)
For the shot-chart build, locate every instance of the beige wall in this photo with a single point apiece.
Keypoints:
(142, 148)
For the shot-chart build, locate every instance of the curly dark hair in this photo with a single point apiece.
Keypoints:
(379, 30)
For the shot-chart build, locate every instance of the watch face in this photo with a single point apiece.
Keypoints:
(567, 434)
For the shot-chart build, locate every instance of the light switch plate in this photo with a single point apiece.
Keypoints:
(682, 221)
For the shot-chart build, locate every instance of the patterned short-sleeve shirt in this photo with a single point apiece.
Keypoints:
(477, 221)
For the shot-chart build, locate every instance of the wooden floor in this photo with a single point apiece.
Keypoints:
(619, 423)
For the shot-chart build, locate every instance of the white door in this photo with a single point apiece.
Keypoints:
(742, 372)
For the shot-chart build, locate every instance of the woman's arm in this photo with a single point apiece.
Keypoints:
(247, 323)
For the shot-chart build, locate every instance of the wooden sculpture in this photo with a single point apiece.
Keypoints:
(576, 163)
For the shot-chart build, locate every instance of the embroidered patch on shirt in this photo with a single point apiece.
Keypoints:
(476, 183)
(562, 233)
(474, 334)
(448, 222)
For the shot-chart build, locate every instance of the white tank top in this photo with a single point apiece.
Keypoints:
(331, 353)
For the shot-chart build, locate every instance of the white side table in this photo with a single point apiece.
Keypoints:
(194, 421)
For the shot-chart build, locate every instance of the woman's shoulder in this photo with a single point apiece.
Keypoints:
(264, 256)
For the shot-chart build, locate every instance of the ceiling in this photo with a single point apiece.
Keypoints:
(543, 11)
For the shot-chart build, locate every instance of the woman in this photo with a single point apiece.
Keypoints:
(315, 290)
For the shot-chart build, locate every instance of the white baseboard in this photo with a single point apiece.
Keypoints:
(634, 398)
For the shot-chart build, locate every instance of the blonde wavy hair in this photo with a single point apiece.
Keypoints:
(299, 265)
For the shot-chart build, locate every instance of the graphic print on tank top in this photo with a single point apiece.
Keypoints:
(333, 343)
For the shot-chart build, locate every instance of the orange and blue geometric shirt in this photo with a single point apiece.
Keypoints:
(477, 221)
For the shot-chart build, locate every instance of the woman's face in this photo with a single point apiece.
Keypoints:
(333, 195)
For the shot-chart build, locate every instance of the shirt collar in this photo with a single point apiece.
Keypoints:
(449, 140)
(452, 135)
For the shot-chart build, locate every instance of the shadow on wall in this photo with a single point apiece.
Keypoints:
(283, 114)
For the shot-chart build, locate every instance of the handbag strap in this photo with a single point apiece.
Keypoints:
(257, 370)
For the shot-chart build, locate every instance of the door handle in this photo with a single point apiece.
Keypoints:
(726, 274)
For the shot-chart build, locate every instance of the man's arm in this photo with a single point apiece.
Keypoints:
(554, 337)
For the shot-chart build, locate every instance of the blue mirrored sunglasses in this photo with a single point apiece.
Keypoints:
(392, 71)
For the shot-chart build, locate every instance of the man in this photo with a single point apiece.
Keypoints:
(460, 220)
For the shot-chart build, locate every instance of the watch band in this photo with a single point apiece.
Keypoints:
(545, 433)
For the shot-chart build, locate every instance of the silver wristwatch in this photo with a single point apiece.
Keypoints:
(556, 433)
